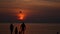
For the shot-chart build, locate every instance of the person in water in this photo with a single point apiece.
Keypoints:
(23, 28)
(11, 28)
(16, 30)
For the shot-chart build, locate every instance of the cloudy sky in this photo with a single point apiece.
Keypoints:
(35, 10)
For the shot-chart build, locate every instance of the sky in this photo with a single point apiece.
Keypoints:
(35, 10)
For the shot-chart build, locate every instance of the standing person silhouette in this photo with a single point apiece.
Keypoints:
(11, 28)
(23, 28)
(16, 30)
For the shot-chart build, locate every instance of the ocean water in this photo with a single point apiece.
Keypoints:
(32, 28)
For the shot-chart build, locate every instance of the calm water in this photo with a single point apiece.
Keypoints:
(32, 28)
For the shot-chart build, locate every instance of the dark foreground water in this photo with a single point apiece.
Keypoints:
(32, 28)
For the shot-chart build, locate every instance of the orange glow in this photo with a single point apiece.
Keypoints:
(21, 16)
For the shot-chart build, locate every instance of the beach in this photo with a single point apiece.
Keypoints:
(32, 28)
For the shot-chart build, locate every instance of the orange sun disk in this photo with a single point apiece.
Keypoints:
(21, 16)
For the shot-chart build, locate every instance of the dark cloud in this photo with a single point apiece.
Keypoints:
(7, 15)
(44, 14)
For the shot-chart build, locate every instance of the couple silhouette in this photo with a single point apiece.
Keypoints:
(22, 27)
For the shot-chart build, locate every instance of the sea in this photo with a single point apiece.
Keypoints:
(32, 28)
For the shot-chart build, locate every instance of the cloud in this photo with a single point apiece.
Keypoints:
(7, 0)
(58, 1)
(27, 3)
(38, 3)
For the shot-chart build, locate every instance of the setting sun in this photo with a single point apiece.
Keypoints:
(21, 16)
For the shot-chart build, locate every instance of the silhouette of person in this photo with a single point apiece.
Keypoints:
(57, 32)
(23, 28)
(11, 28)
(16, 30)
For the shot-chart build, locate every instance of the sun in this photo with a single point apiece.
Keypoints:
(21, 16)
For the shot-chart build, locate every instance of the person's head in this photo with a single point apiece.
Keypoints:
(23, 22)
(11, 24)
(16, 27)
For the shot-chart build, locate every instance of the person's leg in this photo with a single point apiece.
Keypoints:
(11, 32)
(19, 32)
(23, 31)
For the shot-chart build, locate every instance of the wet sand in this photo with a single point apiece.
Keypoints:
(32, 28)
